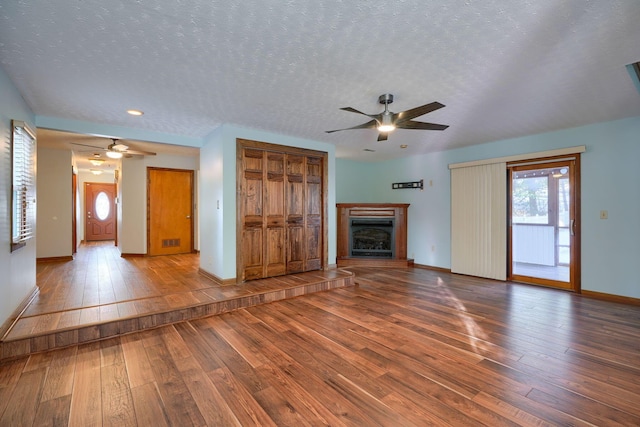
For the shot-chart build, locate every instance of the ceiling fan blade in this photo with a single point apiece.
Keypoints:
(372, 124)
(417, 112)
(410, 124)
(90, 146)
(353, 110)
(382, 136)
(139, 153)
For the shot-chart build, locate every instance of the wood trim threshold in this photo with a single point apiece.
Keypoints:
(611, 297)
(375, 262)
(218, 280)
(8, 324)
(128, 255)
(55, 259)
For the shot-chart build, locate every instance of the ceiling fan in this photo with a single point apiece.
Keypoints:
(387, 121)
(117, 150)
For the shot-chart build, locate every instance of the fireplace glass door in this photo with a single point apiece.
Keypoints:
(371, 237)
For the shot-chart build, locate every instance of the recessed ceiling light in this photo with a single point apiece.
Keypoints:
(96, 171)
(96, 161)
(135, 112)
(404, 146)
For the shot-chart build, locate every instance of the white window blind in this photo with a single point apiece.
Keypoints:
(479, 221)
(23, 186)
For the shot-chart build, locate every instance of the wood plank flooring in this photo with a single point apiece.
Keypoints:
(405, 347)
(100, 295)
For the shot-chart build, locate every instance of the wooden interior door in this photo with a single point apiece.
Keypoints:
(169, 211)
(280, 211)
(314, 227)
(295, 214)
(100, 211)
(304, 213)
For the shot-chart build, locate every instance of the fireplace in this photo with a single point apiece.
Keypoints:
(371, 237)
(372, 234)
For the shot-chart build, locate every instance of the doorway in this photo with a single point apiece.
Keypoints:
(544, 223)
(100, 211)
(169, 211)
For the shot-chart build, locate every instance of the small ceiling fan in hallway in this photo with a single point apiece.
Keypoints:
(387, 121)
(117, 149)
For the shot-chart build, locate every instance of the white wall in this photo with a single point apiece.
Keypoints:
(132, 228)
(18, 268)
(54, 214)
(218, 183)
(609, 179)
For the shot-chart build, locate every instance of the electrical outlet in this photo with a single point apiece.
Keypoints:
(604, 215)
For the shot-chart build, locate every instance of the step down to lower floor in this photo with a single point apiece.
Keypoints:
(45, 332)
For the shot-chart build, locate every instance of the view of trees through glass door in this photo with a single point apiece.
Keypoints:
(543, 223)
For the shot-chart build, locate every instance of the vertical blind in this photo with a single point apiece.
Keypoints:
(23, 186)
(479, 221)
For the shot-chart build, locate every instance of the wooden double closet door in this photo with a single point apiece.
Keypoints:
(280, 206)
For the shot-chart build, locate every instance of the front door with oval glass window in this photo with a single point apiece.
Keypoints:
(100, 212)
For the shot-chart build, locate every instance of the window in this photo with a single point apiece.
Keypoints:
(530, 198)
(23, 185)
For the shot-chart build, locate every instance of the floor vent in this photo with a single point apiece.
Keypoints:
(170, 243)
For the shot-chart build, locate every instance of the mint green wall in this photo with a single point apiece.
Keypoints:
(18, 268)
(213, 256)
(218, 183)
(352, 178)
(54, 215)
(609, 179)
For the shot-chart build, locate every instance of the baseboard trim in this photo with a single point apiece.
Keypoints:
(431, 267)
(218, 280)
(610, 297)
(55, 259)
(126, 255)
(6, 326)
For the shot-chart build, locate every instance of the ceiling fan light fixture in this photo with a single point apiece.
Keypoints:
(114, 154)
(386, 124)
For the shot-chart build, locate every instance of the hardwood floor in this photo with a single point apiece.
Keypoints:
(99, 295)
(405, 347)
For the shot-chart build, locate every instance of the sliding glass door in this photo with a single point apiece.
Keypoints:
(544, 226)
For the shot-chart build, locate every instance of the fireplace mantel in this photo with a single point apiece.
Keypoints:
(395, 211)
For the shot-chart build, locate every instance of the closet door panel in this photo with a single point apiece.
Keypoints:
(275, 244)
(280, 210)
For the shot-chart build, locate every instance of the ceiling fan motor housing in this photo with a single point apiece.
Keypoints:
(385, 99)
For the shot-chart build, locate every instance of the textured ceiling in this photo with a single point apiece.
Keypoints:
(502, 68)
